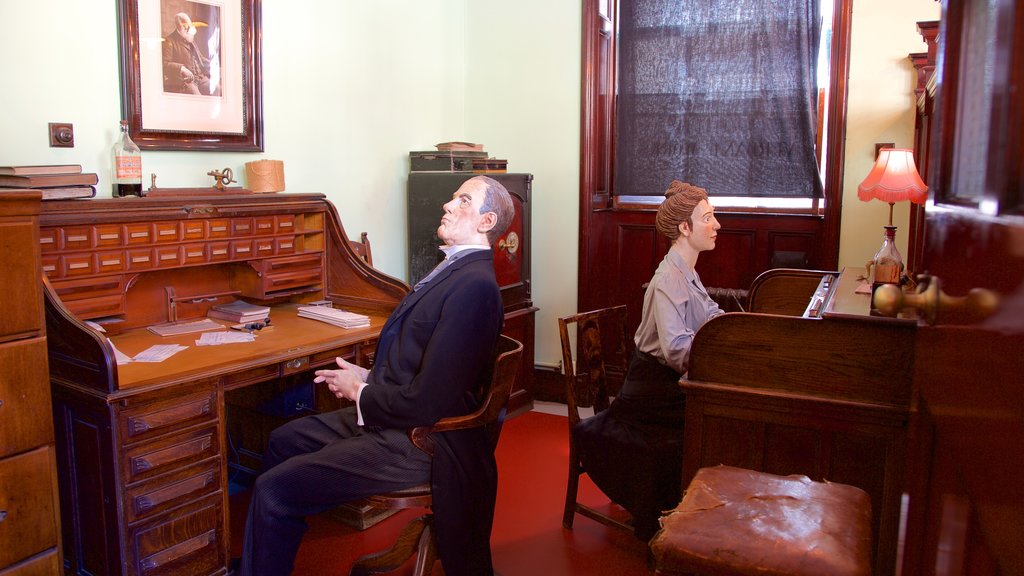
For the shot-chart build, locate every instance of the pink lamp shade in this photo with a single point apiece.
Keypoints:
(893, 178)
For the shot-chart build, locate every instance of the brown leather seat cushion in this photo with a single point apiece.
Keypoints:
(738, 521)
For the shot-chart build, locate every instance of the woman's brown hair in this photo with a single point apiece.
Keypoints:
(680, 200)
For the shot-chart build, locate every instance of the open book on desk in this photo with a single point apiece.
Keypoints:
(341, 318)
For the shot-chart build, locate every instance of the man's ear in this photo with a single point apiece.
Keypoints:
(487, 221)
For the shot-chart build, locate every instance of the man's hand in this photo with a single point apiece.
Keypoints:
(186, 75)
(345, 382)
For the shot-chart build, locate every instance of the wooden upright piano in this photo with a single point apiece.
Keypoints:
(142, 448)
(826, 393)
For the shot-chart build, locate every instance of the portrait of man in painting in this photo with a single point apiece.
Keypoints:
(191, 47)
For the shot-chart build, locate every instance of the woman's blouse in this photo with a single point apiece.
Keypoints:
(676, 304)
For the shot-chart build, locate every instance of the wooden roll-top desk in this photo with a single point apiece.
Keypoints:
(142, 448)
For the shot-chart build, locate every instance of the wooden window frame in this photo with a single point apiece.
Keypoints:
(597, 132)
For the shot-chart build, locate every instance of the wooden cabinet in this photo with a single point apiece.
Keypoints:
(142, 448)
(428, 191)
(29, 511)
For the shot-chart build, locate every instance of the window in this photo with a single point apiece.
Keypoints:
(625, 74)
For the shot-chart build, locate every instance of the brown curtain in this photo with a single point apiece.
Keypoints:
(719, 93)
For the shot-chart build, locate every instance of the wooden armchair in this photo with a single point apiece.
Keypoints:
(592, 376)
(418, 536)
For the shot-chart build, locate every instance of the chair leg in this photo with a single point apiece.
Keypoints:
(409, 541)
(571, 490)
(426, 552)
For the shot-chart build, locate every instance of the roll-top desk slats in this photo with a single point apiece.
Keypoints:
(141, 447)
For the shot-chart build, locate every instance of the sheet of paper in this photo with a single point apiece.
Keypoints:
(185, 327)
(158, 352)
(95, 326)
(217, 338)
(121, 357)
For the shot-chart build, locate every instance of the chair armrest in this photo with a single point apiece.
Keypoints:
(421, 435)
(491, 411)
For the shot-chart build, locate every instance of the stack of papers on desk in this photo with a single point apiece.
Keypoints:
(334, 316)
(185, 327)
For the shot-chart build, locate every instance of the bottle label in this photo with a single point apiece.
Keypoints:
(128, 167)
(886, 273)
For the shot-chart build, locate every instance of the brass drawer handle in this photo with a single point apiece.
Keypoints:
(190, 546)
(297, 363)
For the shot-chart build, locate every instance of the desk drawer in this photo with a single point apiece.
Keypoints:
(252, 376)
(172, 490)
(28, 523)
(166, 415)
(160, 456)
(25, 417)
(190, 541)
(327, 357)
(275, 276)
(46, 565)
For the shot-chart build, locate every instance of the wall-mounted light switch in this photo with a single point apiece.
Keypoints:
(62, 135)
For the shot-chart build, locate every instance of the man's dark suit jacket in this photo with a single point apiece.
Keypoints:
(435, 351)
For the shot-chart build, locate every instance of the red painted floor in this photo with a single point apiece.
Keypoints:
(527, 538)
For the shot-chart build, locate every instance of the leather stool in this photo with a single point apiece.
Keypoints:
(738, 521)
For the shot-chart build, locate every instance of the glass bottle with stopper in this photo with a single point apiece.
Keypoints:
(887, 265)
(127, 169)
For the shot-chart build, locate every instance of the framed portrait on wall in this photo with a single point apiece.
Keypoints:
(191, 74)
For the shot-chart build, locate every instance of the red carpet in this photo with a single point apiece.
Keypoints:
(527, 539)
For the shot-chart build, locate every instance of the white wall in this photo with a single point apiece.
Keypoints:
(880, 108)
(350, 88)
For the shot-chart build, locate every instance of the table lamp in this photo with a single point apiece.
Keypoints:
(892, 179)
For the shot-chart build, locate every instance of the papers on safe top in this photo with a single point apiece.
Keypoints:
(342, 318)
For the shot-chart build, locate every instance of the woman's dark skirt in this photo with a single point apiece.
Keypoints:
(633, 451)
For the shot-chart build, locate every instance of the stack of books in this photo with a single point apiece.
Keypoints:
(490, 165)
(240, 312)
(334, 316)
(55, 181)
